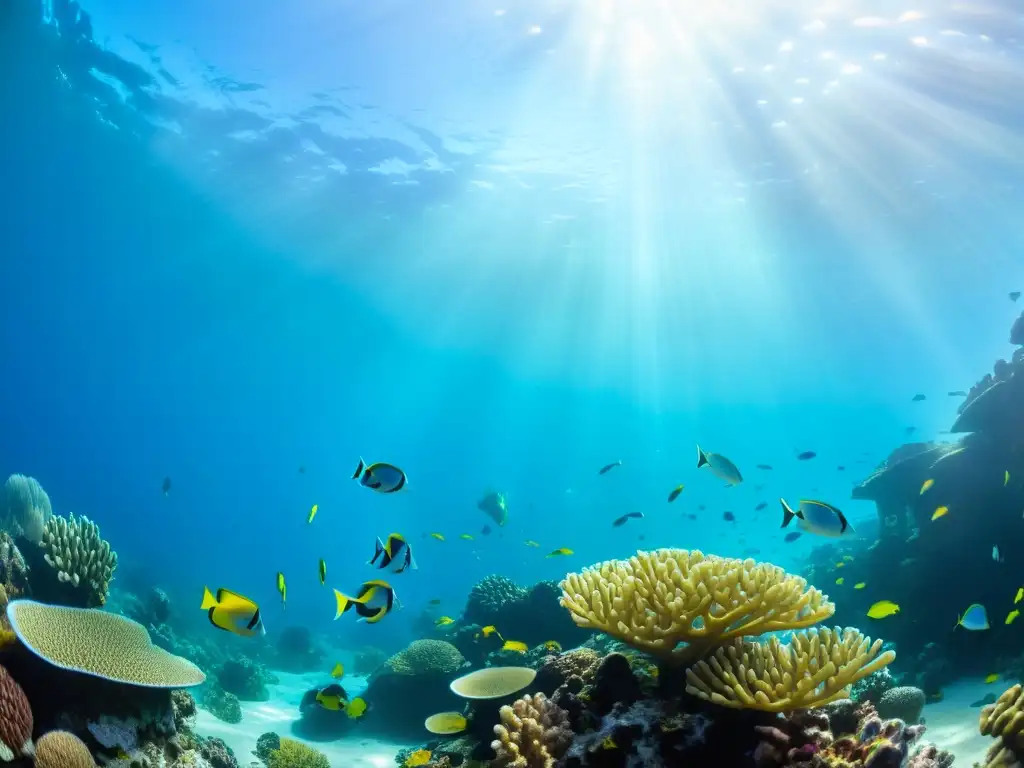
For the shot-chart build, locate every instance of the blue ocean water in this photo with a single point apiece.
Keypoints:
(245, 244)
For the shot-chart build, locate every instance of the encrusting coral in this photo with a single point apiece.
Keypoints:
(15, 719)
(678, 605)
(1004, 721)
(534, 732)
(25, 508)
(74, 548)
(816, 667)
(60, 749)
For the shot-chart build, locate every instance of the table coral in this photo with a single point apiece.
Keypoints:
(678, 605)
(534, 732)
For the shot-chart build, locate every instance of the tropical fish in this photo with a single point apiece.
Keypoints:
(806, 456)
(1012, 616)
(675, 493)
(282, 589)
(356, 708)
(380, 477)
(883, 609)
(466, 536)
(609, 467)
(531, 543)
(322, 571)
(860, 585)
(515, 645)
(332, 697)
(975, 618)
(840, 564)
(957, 393)
(166, 487)
(940, 512)
(1006, 477)
(720, 467)
(444, 621)
(560, 552)
(373, 602)
(996, 554)
(625, 518)
(989, 679)
(487, 631)
(988, 698)
(761, 506)
(765, 467)
(437, 536)
(910, 430)
(917, 398)
(395, 555)
(608, 743)
(1019, 596)
(818, 518)
(233, 613)
(553, 645)
(417, 758)
(840, 581)
(792, 536)
(312, 513)
(729, 517)
(338, 671)
(840, 468)
(494, 505)
(445, 723)
(927, 484)
(1014, 295)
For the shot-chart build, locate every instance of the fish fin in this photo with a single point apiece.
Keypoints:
(843, 522)
(702, 458)
(360, 467)
(344, 602)
(787, 513)
(377, 552)
(209, 601)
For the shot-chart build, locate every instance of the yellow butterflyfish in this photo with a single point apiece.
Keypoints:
(312, 513)
(437, 536)
(927, 484)
(515, 645)
(883, 609)
(940, 512)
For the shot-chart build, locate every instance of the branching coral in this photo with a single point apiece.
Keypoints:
(425, 657)
(25, 508)
(74, 548)
(534, 732)
(813, 669)
(678, 605)
(295, 754)
(1004, 721)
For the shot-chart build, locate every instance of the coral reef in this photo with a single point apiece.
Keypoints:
(72, 565)
(15, 719)
(60, 749)
(368, 660)
(425, 657)
(533, 733)
(221, 704)
(295, 754)
(151, 610)
(678, 605)
(246, 679)
(489, 597)
(872, 687)
(533, 614)
(296, 651)
(24, 508)
(1004, 721)
(902, 703)
(265, 744)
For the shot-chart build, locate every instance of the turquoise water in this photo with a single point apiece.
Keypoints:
(246, 244)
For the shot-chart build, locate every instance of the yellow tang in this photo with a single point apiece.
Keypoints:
(465, 536)
(940, 512)
(927, 484)
(445, 723)
(323, 571)
(332, 698)
(356, 708)
(281, 588)
(312, 513)
(883, 609)
(437, 536)
(338, 671)
(488, 631)
(444, 621)
(840, 581)
(561, 551)
(991, 678)
(515, 645)
(233, 613)
(553, 645)
(860, 585)
(1020, 595)
(1011, 616)
(419, 757)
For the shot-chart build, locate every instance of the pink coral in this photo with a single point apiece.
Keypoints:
(15, 719)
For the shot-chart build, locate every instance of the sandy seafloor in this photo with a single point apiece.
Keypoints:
(952, 724)
(278, 714)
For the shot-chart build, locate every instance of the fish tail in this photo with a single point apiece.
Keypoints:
(359, 469)
(787, 513)
(209, 601)
(379, 548)
(702, 458)
(344, 602)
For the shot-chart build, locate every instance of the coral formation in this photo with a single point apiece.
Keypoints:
(533, 613)
(1004, 721)
(295, 754)
(265, 744)
(15, 719)
(296, 651)
(24, 508)
(816, 667)
(425, 657)
(678, 605)
(557, 669)
(81, 559)
(245, 678)
(221, 704)
(97, 643)
(60, 749)
(493, 682)
(488, 598)
(904, 703)
(533, 733)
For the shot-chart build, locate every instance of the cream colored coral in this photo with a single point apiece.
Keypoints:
(61, 749)
(73, 546)
(25, 508)
(1004, 720)
(816, 667)
(534, 732)
(678, 605)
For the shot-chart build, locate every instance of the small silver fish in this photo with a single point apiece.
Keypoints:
(720, 467)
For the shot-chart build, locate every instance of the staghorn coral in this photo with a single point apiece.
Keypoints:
(60, 749)
(1004, 721)
(25, 508)
(813, 669)
(425, 657)
(678, 605)
(105, 645)
(534, 732)
(15, 719)
(74, 548)
(295, 754)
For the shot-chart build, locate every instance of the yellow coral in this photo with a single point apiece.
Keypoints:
(678, 605)
(61, 749)
(1004, 720)
(816, 667)
(534, 732)
(295, 754)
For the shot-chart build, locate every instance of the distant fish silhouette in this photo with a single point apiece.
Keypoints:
(609, 467)
(729, 517)
(917, 398)
(1014, 295)
(910, 430)
(764, 466)
(957, 393)
(166, 487)
(806, 455)
(761, 506)
(840, 468)
(790, 537)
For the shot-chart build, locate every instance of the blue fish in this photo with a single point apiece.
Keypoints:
(975, 618)
(818, 518)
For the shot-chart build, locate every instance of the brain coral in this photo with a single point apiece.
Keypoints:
(425, 657)
(15, 719)
(25, 508)
(60, 749)
(97, 643)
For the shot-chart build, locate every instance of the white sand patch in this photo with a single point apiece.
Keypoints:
(281, 711)
(953, 722)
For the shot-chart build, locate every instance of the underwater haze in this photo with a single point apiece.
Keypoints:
(501, 247)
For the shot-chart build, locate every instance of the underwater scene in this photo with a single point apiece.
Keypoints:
(526, 384)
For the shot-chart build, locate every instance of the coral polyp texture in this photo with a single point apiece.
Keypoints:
(15, 719)
(678, 605)
(74, 548)
(533, 733)
(295, 754)
(101, 644)
(60, 749)
(1004, 721)
(24, 508)
(425, 657)
(816, 667)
